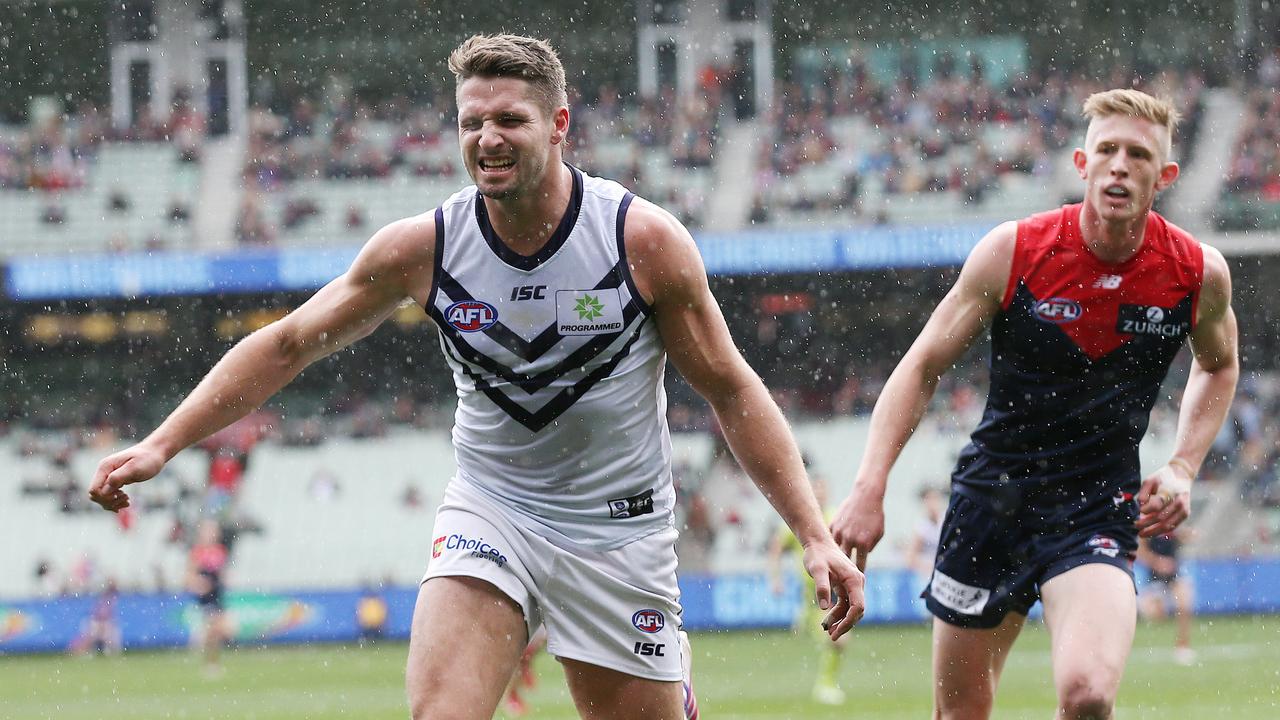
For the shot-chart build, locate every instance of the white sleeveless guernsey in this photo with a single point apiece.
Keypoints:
(559, 369)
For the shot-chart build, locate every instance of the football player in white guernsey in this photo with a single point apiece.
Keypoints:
(558, 297)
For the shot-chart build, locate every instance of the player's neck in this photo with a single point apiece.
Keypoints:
(1111, 242)
(526, 223)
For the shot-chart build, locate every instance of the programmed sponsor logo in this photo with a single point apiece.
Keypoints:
(964, 599)
(1150, 320)
(1103, 545)
(588, 312)
(477, 547)
(1058, 310)
(649, 620)
(471, 316)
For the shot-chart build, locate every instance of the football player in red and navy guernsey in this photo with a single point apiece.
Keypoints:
(1087, 305)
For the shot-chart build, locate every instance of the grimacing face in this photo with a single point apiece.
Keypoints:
(508, 139)
(1124, 163)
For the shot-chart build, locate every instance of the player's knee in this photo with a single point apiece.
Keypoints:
(427, 700)
(432, 706)
(1086, 696)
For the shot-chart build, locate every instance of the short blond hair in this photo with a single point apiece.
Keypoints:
(1134, 103)
(513, 56)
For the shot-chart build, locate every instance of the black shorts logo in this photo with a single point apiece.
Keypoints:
(630, 507)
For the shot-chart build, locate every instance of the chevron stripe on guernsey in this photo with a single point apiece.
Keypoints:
(465, 353)
(501, 334)
(561, 411)
(562, 401)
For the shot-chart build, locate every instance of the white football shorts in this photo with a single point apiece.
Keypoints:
(618, 609)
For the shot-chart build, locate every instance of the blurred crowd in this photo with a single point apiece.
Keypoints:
(53, 159)
(831, 140)
(1255, 165)
(56, 152)
(955, 132)
(346, 138)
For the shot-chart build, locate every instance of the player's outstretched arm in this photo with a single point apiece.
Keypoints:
(669, 274)
(394, 265)
(1165, 497)
(959, 319)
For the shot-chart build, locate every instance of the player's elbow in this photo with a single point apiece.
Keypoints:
(284, 351)
(728, 387)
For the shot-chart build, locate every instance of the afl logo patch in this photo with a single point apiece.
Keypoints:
(1058, 310)
(649, 621)
(471, 315)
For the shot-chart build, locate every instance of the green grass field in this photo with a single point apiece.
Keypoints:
(738, 675)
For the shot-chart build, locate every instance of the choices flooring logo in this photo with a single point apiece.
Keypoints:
(15, 624)
(257, 617)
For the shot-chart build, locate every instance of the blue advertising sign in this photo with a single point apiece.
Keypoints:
(711, 602)
(132, 275)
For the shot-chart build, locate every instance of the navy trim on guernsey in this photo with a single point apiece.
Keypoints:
(565, 399)
(622, 254)
(437, 260)
(557, 240)
(463, 351)
(501, 334)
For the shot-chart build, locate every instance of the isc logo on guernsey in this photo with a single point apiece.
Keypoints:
(471, 315)
(477, 546)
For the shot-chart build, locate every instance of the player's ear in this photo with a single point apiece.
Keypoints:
(1168, 174)
(560, 118)
(1079, 159)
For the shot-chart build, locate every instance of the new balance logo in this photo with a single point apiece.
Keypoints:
(1108, 282)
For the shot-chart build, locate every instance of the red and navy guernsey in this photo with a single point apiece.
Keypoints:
(1078, 352)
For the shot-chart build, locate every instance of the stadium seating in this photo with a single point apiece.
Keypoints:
(335, 515)
(143, 181)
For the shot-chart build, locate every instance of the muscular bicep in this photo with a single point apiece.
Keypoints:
(966, 311)
(394, 267)
(1214, 339)
(696, 336)
(670, 275)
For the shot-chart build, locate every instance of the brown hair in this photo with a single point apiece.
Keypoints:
(513, 56)
(1134, 103)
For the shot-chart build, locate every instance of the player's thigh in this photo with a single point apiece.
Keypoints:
(466, 642)
(1091, 612)
(599, 692)
(967, 663)
(618, 609)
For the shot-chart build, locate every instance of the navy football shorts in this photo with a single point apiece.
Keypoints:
(992, 562)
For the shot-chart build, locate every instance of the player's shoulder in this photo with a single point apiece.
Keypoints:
(1047, 228)
(408, 240)
(1176, 239)
(661, 256)
(650, 231)
(1185, 249)
(610, 191)
(400, 256)
(994, 252)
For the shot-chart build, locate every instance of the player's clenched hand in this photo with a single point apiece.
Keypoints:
(839, 586)
(1164, 500)
(132, 465)
(859, 523)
